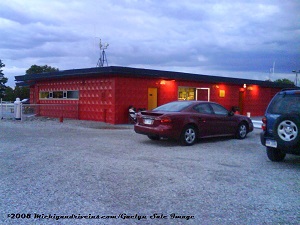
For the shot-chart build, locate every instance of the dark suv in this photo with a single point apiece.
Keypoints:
(281, 125)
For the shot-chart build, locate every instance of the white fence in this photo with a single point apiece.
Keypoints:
(8, 109)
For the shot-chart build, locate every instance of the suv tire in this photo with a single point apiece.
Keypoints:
(275, 155)
(287, 130)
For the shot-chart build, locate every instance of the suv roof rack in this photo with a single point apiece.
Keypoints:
(290, 89)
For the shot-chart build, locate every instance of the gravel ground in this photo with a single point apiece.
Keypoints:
(94, 173)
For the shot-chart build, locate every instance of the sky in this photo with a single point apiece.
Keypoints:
(242, 39)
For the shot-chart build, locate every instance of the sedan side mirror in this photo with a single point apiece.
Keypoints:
(230, 113)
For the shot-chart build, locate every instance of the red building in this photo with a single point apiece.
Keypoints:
(105, 93)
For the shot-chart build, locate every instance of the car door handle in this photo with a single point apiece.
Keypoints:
(201, 120)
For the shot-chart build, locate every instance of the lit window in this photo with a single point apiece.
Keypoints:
(44, 94)
(59, 95)
(186, 93)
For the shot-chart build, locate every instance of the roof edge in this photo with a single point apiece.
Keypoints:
(141, 72)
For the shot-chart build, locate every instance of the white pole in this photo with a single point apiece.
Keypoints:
(1, 110)
(21, 112)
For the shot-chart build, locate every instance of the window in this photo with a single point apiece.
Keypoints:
(44, 94)
(59, 95)
(73, 94)
(284, 103)
(186, 93)
(203, 108)
(219, 110)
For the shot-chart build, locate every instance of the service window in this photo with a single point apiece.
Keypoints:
(59, 95)
(73, 94)
(44, 94)
(186, 93)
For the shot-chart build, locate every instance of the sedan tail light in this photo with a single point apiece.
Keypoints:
(165, 120)
(264, 124)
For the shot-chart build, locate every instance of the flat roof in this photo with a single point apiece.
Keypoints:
(30, 79)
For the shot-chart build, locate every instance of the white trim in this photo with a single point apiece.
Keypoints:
(64, 96)
(208, 93)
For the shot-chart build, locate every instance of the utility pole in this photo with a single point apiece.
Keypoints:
(296, 79)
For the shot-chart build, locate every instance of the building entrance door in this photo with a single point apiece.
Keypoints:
(241, 101)
(152, 98)
(203, 94)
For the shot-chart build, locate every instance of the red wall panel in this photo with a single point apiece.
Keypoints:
(96, 98)
(134, 91)
(108, 98)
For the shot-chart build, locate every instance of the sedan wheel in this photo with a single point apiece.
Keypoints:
(242, 131)
(188, 136)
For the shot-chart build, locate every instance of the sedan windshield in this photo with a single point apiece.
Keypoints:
(173, 106)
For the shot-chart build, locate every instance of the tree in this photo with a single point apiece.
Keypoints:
(22, 92)
(3, 80)
(34, 69)
(284, 81)
(19, 92)
(9, 94)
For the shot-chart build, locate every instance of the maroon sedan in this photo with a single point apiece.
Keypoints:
(187, 121)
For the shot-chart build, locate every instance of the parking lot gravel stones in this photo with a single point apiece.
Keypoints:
(83, 172)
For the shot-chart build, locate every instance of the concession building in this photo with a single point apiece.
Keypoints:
(105, 93)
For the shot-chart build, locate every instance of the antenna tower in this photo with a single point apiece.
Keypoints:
(272, 71)
(102, 59)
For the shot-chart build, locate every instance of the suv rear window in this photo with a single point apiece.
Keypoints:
(285, 103)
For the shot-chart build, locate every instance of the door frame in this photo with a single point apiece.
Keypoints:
(155, 100)
(208, 93)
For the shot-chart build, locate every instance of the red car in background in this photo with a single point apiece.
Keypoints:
(187, 121)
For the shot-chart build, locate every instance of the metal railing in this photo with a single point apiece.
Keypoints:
(7, 110)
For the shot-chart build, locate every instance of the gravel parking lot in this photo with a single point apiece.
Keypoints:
(80, 172)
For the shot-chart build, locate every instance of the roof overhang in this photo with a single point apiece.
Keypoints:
(31, 79)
